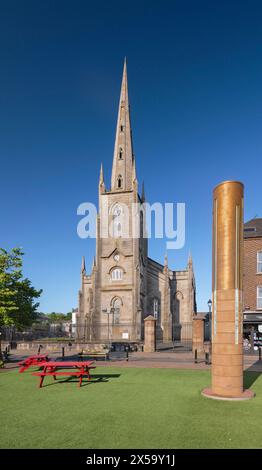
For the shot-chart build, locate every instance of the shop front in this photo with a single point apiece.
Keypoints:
(252, 332)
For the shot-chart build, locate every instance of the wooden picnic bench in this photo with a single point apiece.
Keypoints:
(93, 355)
(51, 368)
(36, 360)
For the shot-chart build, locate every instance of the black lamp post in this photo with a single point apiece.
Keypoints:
(209, 304)
(108, 312)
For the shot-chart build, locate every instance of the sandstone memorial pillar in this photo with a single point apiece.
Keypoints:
(227, 317)
(150, 334)
(198, 333)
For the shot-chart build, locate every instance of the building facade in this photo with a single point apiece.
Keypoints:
(252, 281)
(125, 285)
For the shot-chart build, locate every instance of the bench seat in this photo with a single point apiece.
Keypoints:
(94, 354)
(42, 374)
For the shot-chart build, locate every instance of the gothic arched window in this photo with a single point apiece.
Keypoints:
(116, 305)
(177, 300)
(119, 182)
(117, 221)
(117, 274)
(156, 308)
(120, 155)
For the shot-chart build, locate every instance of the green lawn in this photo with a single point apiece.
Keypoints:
(131, 408)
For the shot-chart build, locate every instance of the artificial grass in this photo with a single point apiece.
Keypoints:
(128, 408)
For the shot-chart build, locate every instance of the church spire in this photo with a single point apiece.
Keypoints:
(122, 171)
(134, 171)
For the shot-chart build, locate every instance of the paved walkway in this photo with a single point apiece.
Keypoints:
(163, 359)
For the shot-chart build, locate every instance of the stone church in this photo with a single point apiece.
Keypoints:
(125, 285)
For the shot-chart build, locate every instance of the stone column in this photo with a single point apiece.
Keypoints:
(227, 348)
(150, 334)
(198, 333)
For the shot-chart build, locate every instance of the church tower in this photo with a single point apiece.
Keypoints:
(125, 285)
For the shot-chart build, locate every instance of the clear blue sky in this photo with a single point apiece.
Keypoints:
(195, 85)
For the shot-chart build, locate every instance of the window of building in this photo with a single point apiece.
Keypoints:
(116, 310)
(117, 221)
(119, 182)
(259, 297)
(259, 261)
(117, 274)
(155, 308)
(120, 155)
(121, 128)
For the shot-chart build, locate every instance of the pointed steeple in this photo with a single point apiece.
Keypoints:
(122, 170)
(83, 266)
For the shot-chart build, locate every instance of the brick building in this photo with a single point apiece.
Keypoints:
(252, 281)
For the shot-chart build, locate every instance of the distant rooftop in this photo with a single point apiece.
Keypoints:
(253, 228)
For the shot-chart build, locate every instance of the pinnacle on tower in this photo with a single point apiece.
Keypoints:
(101, 178)
(83, 266)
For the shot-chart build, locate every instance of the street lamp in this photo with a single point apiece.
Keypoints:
(209, 304)
(109, 312)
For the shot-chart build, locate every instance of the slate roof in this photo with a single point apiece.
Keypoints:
(253, 228)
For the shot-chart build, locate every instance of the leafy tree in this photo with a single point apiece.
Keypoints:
(17, 307)
(68, 315)
(56, 317)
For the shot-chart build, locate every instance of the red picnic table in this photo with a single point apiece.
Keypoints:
(36, 360)
(53, 368)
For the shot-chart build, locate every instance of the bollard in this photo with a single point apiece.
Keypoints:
(195, 356)
(63, 351)
(127, 354)
(207, 358)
